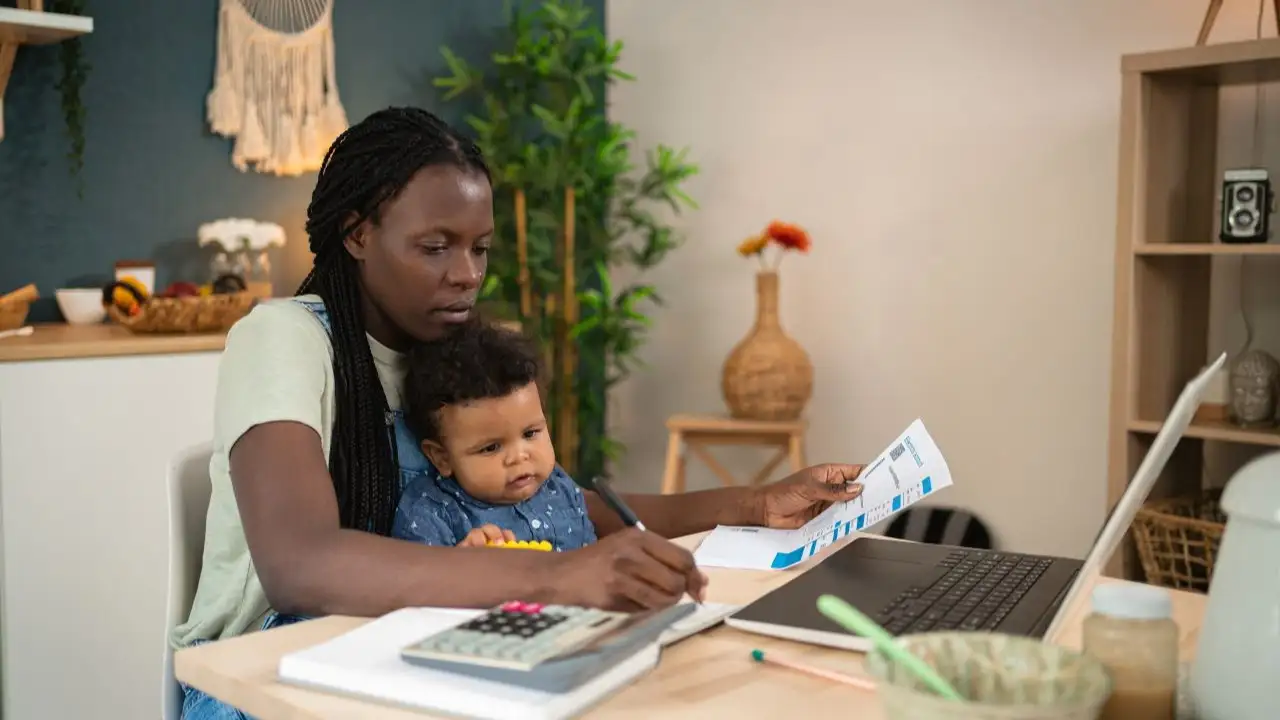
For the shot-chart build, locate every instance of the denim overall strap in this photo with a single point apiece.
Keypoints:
(408, 451)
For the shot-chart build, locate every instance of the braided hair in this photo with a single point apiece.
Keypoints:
(366, 167)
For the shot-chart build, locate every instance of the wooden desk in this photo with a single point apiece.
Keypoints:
(708, 675)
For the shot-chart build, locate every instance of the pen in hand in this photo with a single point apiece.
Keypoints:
(617, 504)
(620, 507)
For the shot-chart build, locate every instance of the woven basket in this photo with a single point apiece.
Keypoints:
(204, 314)
(768, 375)
(1178, 540)
(13, 314)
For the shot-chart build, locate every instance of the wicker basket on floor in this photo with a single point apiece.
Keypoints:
(1178, 540)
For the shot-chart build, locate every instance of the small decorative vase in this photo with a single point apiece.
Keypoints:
(768, 375)
(1255, 382)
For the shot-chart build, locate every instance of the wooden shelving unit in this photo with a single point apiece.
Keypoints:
(1218, 249)
(28, 24)
(1166, 240)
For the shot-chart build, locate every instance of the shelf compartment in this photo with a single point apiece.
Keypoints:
(1220, 431)
(1170, 331)
(1235, 63)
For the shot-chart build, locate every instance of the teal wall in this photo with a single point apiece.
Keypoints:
(153, 172)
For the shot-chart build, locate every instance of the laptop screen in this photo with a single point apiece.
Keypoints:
(1121, 516)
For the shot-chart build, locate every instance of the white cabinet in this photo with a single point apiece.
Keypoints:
(84, 447)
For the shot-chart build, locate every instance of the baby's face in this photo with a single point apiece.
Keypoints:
(497, 449)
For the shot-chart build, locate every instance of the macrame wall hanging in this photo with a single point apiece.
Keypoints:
(275, 92)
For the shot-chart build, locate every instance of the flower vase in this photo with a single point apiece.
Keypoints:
(768, 375)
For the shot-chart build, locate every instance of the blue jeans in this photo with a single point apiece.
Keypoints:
(196, 705)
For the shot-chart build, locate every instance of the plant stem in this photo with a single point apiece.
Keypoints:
(522, 257)
(75, 70)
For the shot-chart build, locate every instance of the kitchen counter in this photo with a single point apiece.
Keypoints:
(91, 416)
(58, 341)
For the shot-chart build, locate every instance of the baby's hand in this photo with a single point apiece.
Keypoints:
(486, 534)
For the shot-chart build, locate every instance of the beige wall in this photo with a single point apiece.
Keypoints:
(955, 162)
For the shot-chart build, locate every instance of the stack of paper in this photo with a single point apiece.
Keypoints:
(910, 469)
(366, 662)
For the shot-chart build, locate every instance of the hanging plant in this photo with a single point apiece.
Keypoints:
(75, 69)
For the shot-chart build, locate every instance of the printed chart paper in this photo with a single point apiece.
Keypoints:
(910, 469)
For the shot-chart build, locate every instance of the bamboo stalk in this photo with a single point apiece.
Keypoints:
(554, 361)
(569, 357)
(522, 256)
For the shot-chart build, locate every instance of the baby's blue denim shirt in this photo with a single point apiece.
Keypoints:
(434, 510)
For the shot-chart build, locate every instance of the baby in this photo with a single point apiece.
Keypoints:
(472, 401)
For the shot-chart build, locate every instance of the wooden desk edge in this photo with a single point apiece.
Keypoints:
(58, 341)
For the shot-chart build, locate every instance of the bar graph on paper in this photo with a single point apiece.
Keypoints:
(827, 536)
(908, 471)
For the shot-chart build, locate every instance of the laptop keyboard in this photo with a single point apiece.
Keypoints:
(977, 592)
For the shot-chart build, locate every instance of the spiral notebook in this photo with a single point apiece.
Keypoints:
(366, 663)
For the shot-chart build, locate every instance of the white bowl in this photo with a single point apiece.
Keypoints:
(81, 306)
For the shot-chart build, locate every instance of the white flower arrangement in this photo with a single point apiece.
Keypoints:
(236, 234)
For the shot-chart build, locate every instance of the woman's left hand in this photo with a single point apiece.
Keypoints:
(799, 498)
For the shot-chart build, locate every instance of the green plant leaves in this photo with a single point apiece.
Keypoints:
(75, 71)
(541, 121)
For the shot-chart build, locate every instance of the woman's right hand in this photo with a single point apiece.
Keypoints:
(629, 570)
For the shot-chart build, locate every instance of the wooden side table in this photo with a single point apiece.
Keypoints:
(698, 433)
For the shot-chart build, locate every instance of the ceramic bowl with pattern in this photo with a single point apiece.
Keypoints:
(1004, 677)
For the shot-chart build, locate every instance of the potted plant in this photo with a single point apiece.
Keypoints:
(573, 207)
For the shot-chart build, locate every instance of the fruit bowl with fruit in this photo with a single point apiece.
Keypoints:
(182, 307)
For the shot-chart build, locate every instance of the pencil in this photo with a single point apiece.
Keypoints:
(863, 684)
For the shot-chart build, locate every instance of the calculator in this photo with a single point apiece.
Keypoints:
(553, 648)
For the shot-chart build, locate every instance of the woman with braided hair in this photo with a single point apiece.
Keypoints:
(310, 449)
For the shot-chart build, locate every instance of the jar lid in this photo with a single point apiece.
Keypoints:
(1132, 601)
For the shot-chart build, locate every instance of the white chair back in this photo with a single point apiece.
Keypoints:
(189, 490)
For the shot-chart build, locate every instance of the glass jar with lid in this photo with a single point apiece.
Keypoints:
(1132, 632)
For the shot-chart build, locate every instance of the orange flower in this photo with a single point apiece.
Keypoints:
(789, 236)
(753, 245)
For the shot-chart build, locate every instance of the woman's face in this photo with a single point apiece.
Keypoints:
(422, 263)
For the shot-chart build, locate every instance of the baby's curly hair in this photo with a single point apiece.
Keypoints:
(478, 361)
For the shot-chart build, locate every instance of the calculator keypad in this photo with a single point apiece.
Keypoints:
(519, 634)
(514, 622)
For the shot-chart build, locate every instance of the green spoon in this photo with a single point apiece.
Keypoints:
(849, 618)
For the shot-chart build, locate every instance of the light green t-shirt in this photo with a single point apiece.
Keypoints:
(277, 366)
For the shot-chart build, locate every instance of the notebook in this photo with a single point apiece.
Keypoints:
(366, 663)
(707, 615)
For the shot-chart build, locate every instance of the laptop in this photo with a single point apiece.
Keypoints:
(912, 587)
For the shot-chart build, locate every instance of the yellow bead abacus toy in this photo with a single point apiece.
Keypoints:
(542, 545)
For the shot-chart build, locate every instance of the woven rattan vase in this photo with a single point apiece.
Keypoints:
(768, 375)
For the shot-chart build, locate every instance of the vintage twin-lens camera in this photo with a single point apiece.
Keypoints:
(1247, 203)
